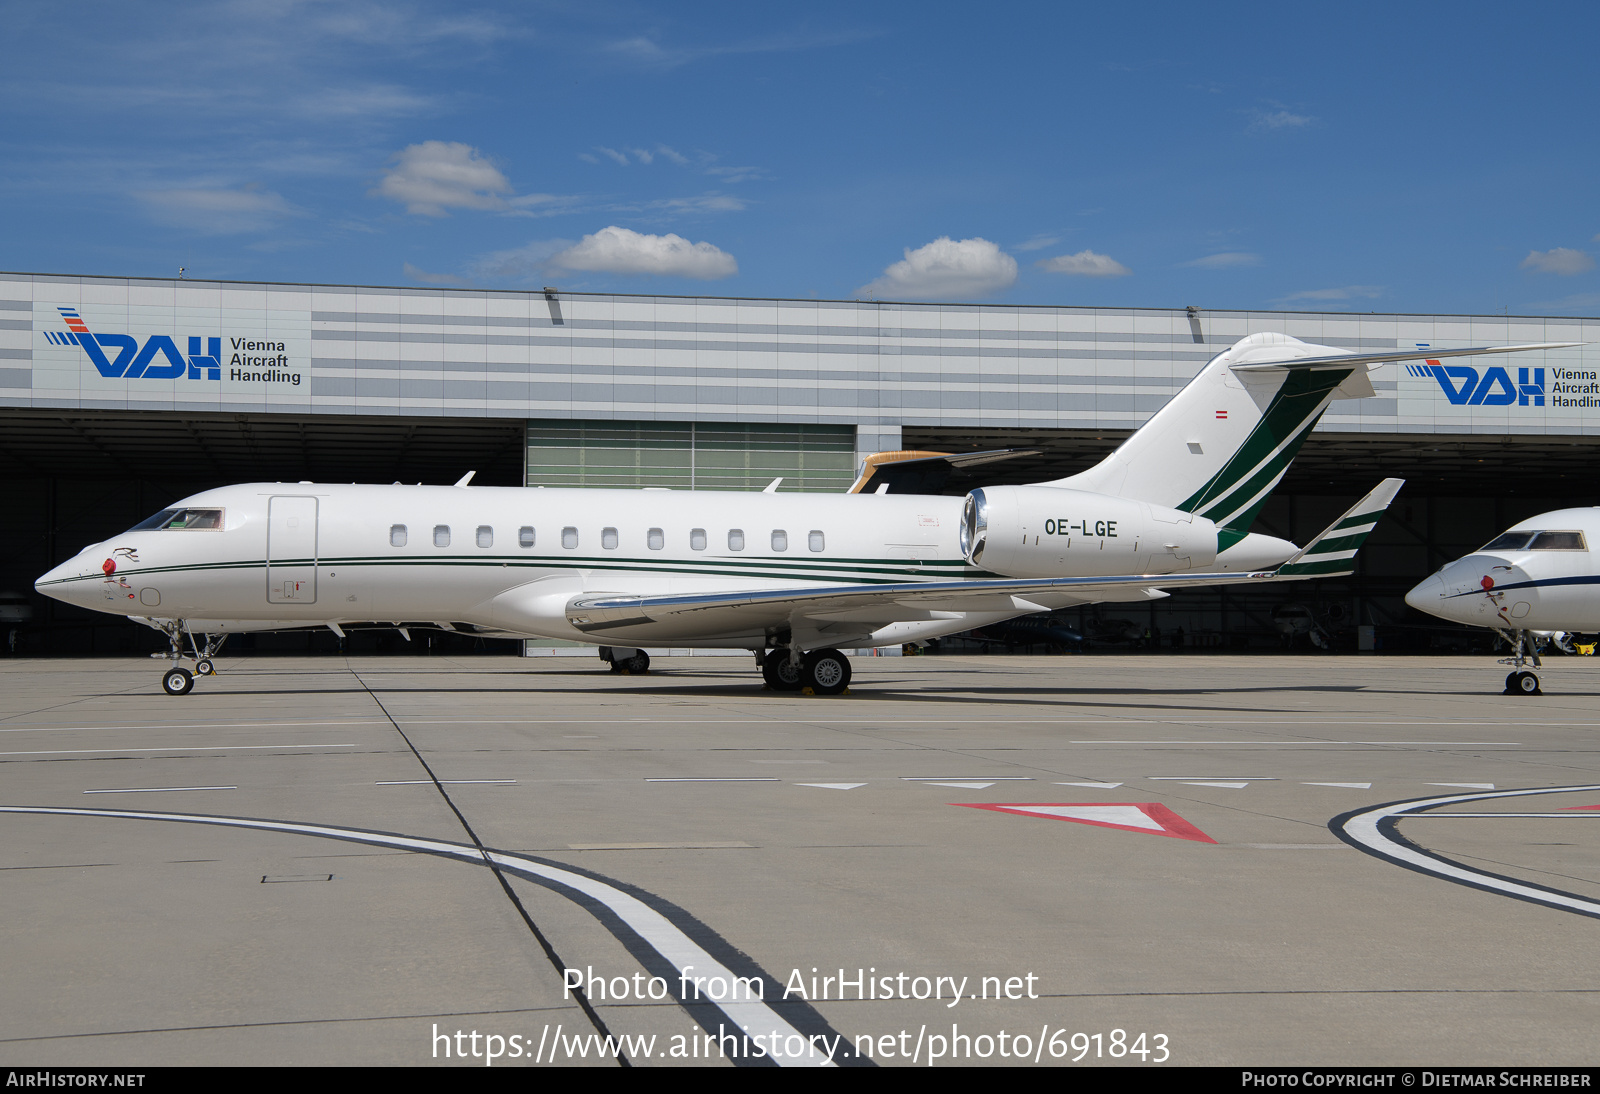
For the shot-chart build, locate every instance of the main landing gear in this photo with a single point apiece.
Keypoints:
(1525, 647)
(824, 672)
(626, 659)
(178, 680)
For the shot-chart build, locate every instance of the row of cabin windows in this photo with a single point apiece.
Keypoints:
(655, 538)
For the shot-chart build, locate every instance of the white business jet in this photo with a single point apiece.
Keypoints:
(1535, 584)
(791, 577)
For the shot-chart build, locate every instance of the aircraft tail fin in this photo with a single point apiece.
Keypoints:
(1333, 553)
(1222, 443)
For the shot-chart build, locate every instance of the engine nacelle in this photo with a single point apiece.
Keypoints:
(1046, 531)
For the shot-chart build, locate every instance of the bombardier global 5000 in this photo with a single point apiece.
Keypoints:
(1534, 584)
(790, 577)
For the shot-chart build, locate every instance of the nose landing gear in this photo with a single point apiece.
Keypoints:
(180, 681)
(1525, 647)
(1522, 683)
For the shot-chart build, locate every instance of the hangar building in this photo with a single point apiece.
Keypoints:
(192, 384)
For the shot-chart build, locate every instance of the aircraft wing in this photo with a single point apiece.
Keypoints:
(1346, 360)
(752, 611)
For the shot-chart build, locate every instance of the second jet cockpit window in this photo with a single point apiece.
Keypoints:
(1537, 541)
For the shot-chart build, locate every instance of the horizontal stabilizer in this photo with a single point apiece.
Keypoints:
(1333, 553)
(1345, 360)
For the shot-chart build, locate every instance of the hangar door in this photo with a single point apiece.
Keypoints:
(292, 550)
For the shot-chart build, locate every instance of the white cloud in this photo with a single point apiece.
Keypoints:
(432, 176)
(614, 154)
(732, 175)
(1280, 119)
(1038, 243)
(622, 251)
(646, 52)
(1558, 260)
(1084, 264)
(218, 210)
(1226, 260)
(1348, 292)
(433, 278)
(709, 202)
(946, 269)
(672, 154)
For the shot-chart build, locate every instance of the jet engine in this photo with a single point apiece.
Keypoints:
(1047, 531)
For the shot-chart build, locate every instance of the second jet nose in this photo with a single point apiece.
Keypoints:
(1427, 595)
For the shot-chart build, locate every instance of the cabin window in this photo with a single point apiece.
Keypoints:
(569, 538)
(441, 535)
(397, 535)
(816, 541)
(1557, 541)
(780, 540)
(735, 539)
(697, 539)
(525, 536)
(655, 539)
(485, 536)
(608, 538)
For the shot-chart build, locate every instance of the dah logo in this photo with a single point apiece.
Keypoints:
(133, 361)
(1464, 387)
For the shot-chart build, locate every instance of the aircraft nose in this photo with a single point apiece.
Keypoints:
(60, 582)
(1425, 597)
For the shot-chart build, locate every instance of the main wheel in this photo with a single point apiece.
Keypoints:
(638, 664)
(779, 673)
(1511, 682)
(1528, 684)
(204, 667)
(826, 672)
(177, 682)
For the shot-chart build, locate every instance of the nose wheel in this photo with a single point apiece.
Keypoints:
(1525, 647)
(1522, 683)
(180, 681)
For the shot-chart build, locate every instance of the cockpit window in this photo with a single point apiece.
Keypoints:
(1538, 541)
(1558, 541)
(181, 519)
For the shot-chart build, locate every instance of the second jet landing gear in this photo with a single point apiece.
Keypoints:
(825, 672)
(1525, 647)
(178, 680)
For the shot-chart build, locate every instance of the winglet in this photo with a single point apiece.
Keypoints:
(465, 479)
(1333, 553)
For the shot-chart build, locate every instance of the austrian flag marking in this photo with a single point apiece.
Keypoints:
(1151, 818)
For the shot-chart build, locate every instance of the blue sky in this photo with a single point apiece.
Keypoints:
(1362, 157)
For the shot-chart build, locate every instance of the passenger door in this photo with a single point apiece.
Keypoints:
(292, 550)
